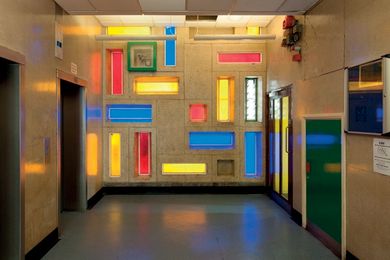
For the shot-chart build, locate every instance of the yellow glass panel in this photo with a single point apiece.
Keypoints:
(285, 170)
(126, 30)
(115, 155)
(34, 168)
(253, 30)
(225, 99)
(156, 85)
(92, 154)
(183, 168)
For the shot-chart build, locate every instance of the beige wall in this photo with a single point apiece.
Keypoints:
(197, 69)
(339, 34)
(28, 28)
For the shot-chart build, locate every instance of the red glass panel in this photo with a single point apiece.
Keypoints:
(198, 113)
(143, 153)
(117, 72)
(249, 57)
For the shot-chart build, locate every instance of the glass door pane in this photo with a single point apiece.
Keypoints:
(276, 143)
(285, 145)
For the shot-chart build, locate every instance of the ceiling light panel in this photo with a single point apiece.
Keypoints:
(117, 5)
(232, 20)
(260, 20)
(257, 5)
(75, 5)
(165, 20)
(301, 5)
(144, 20)
(209, 5)
(163, 5)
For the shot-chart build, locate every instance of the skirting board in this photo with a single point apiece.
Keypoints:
(44, 246)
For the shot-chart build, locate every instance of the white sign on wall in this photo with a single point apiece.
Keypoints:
(59, 41)
(73, 68)
(382, 156)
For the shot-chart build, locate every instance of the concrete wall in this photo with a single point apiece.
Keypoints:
(27, 27)
(198, 70)
(339, 34)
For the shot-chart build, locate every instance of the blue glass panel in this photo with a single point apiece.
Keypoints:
(94, 113)
(366, 112)
(129, 113)
(211, 140)
(170, 47)
(253, 154)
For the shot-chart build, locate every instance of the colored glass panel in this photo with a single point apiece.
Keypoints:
(129, 113)
(115, 155)
(285, 144)
(184, 168)
(240, 57)
(158, 85)
(253, 30)
(92, 154)
(253, 154)
(143, 153)
(323, 175)
(277, 116)
(170, 47)
(198, 113)
(117, 72)
(251, 99)
(225, 99)
(128, 30)
(211, 140)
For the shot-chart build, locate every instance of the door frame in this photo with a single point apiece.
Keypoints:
(326, 116)
(20, 59)
(286, 204)
(61, 75)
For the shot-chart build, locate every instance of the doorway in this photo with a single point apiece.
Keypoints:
(322, 179)
(280, 147)
(72, 129)
(11, 172)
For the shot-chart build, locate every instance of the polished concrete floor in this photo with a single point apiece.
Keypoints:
(185, 227)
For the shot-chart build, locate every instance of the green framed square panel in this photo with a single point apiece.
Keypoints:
(142, 56)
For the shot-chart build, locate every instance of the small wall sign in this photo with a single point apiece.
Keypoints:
(381, 156)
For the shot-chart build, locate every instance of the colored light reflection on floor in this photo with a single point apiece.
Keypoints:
(186, 220)
(183, 168)
(92, 154)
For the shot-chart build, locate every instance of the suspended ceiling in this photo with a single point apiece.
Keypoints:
(186, 7)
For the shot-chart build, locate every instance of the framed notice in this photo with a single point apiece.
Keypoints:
(142, 56)
(381, 156)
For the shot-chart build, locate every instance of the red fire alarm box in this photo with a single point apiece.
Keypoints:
(288, 22)
(297, 57)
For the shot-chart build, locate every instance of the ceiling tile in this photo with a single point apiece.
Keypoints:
(116, 5)
(294, 5)
(209, 5)
(260, 20)
(75, 5)
(232, 20)
(257, 5)
(162, 5)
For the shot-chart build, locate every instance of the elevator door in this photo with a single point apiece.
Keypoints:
(323, 175)
(280, 145)
(73, 179)
(11, 207)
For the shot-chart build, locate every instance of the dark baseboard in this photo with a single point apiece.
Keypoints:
(43, 247)
(327, 240)
(280, 201)
(296, 216)
(184, 190)
(350, 256)
(95, 198)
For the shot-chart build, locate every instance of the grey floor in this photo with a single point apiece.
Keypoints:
(185, 227)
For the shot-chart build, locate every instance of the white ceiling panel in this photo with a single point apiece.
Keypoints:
(164, 20)
(257, 5)
(144, 20)
(163, 5)
(260, 20)
(75, 5)
(209, 5)
(294, 6)
(117, 5)
(232, 20)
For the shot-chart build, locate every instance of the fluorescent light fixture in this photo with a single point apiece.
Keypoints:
(211, 37)
(135, 37)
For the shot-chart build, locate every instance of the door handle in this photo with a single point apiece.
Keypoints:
(287, 144)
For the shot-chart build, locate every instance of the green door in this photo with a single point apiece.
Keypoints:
(323, 175)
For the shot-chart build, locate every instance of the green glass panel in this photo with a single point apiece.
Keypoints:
(323, 174)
